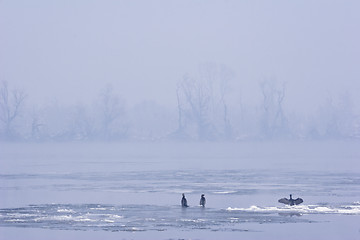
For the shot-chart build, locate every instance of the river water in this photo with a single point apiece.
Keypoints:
(133, 191)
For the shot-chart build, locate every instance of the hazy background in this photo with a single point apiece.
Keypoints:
(67, 53)
(245, 101)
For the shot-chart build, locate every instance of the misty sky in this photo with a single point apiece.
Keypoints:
(70, 49)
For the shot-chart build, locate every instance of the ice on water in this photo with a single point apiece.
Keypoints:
(303, 209)
(123, 192)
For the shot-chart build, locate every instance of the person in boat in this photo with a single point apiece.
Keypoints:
(184, 201)
(202, 200)
(291, 201)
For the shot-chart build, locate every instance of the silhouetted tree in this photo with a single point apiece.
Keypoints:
(273, 121)
(112, 108)
(36, 127)
(83, 125)
(226, 75)
(151, 121)
(197, 96)
(202, 103)
(10, 107)
(336, 118)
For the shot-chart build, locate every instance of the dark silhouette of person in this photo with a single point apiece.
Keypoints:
(291, 201)
(184, 201)
(202, 200)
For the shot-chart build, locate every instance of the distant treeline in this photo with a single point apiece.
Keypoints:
(203, 113)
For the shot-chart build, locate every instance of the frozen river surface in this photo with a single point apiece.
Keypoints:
(133, 191)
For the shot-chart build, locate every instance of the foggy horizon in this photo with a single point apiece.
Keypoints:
(179, 119)
(51, 50)
(295, 62)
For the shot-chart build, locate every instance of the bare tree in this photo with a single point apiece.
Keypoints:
(202, 106)
(217, 78)
(36, 126)
(335, 118)
(111, 110)
(194, 102)
(10, 106)
(273, 120)
(180, 132)
(83, 127)
(226, 75)
(198, 96)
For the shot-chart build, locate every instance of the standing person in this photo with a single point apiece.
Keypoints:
(184, 201)
(202, 200)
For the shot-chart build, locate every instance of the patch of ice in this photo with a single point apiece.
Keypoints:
(303, 209)
(65, 210)
(225, 192)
